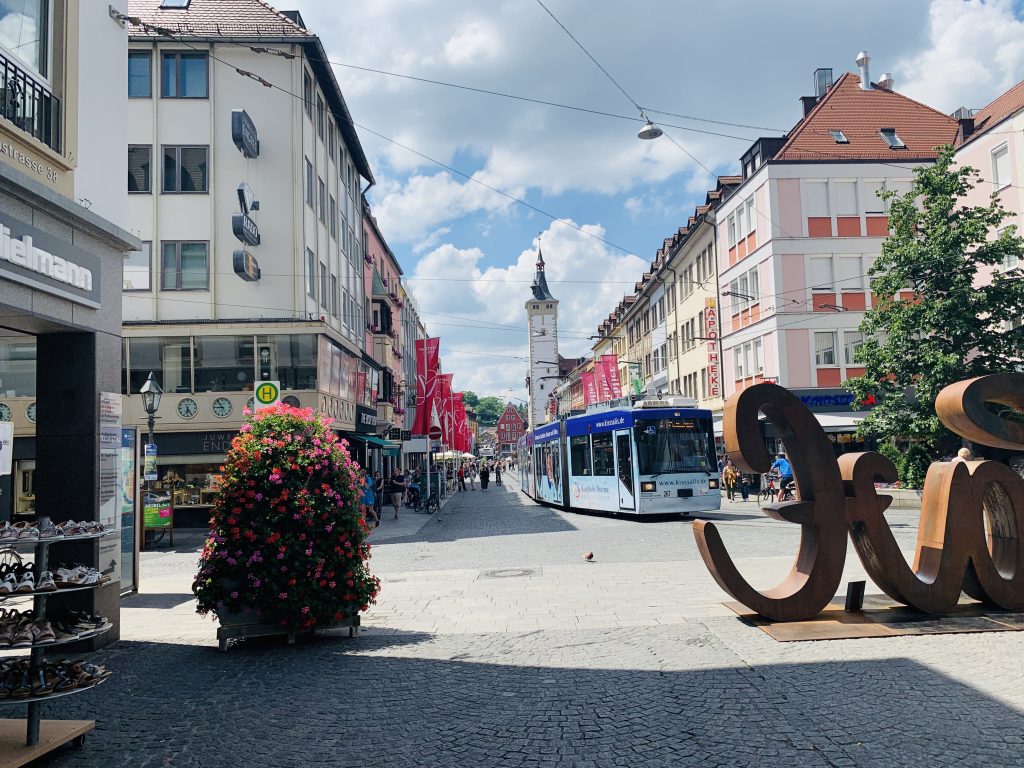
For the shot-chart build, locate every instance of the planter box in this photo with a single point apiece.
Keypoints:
(250, 623)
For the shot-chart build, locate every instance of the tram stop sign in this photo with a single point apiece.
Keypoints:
(268, 393)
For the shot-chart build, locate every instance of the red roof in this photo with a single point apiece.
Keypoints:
(860, 115)
(988, 117)
(215, 18)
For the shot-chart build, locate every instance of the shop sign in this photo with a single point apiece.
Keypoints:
(267, 393)
(366, 419)
(245, 266)
(6, 447)
(243, 133)
(41, 260)
(711, 332)
(406, 434)
(149, 463)
(832, 400)
(245, 229)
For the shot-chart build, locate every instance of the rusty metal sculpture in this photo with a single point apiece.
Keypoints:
(953, 553)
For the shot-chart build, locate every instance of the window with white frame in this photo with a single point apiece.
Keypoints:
(309, 183)
(137, 269)
(844, 198)
(741, 221)
(825, 348)
(849, 275)
(737, 356)
(754, 284)
(732, 229)
(1001, 167)
(751, 215)
(870, 202)
(759, 356)
(816, 198)
(819, 273)
(852, 341)
(323, 286)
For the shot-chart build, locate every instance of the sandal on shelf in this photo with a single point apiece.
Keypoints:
(50, 531)
(96, 673)
(26, 583)
(8, 532)
(42, 684)
(42, 633)
(22, 685)
(46, 583)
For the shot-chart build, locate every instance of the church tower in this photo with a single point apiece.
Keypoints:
(542, 319)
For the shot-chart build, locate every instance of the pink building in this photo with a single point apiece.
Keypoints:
(797, 238)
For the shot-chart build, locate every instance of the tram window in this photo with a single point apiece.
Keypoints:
(579, 449)
(604, 455)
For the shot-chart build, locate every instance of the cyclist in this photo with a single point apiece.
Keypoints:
(785, 470)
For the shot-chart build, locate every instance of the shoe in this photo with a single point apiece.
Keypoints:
(8, 532)
(396, 517)
(41, 682)
(376, 523)
(42, 633)
(46, 583)
(27, 582)
(9, 585)
(23, 638)
(26, 532)
(50, 531)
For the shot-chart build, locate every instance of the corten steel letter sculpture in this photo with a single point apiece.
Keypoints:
(953, 553)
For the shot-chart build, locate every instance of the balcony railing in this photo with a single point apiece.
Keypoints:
(29, 105)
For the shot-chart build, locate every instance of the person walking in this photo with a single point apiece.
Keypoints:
(396, 489)
(497, 473)
(462, 478)
(366, 501)
(378, 493)
(729, 478)
(471, 474)
(745, 486)
(485, 476)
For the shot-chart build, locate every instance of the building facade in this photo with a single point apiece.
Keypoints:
(511, 426)
(248, 199)
(542, 320)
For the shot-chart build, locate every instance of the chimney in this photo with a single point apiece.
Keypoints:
(886, 81)
(808, 103)
(863, 60)
(965, 117)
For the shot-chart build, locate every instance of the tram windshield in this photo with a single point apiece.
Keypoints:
(673, 445)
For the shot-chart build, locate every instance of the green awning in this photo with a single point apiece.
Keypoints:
(389, 448)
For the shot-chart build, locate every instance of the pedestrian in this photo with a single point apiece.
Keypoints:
(366, 501)
(471, 474)
(462, 478)
(729, 478)
(785, 470)
(745, 486)
(378, 493)
(497, 473)
(396, 489)
(485, 476)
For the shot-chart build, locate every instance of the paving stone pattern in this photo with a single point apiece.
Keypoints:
(502, 678)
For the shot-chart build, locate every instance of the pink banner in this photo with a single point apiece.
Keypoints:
(445, 409)
(589, 388)
(426, 382)
(611, 367)
(601, 379)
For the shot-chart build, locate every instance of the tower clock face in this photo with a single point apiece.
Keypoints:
(31, 412)
(5, 412)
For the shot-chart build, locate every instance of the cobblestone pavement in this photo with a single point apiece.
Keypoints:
(494, 644)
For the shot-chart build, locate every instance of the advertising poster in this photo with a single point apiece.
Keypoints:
(110, 483)
(129, 496)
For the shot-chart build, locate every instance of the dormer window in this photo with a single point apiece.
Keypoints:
(894, 141)
(839, 136)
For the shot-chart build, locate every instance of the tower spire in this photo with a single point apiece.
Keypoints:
(540, 283)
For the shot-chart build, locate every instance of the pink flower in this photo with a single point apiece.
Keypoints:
(282, 595)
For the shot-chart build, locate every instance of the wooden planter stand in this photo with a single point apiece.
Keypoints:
(249, 624)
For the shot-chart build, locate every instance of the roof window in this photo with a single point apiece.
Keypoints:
(894, 141)
(839, 136)
(174, 4)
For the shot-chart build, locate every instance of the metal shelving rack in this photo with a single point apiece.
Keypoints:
(43, 737)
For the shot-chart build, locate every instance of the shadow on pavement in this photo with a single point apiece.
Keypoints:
(367, 703)
(157, 600)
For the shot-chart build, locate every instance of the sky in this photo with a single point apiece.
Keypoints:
(599, 201)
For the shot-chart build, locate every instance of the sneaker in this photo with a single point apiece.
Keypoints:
(46, 583)
(10, 584)
(24, 636)
(48, 530)
(27, 583)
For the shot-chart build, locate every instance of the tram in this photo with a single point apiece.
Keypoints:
(653, 458)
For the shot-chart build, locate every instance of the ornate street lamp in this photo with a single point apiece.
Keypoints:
(151, 394)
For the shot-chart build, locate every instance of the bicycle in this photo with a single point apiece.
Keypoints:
(430, 505)
(768, 490)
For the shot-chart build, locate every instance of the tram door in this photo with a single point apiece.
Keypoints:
(624, 468)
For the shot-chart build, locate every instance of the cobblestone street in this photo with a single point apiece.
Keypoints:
(495, 644)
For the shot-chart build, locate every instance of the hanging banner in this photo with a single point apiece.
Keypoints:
(445, 410)
(426, 382)
(589, 388)
(711, 332)
(604, 392)
(611, 367)
(6, 447)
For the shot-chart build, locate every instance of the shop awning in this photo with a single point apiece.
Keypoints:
(830, 422)
(373, 442)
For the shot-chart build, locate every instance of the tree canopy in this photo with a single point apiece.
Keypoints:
(948, 304)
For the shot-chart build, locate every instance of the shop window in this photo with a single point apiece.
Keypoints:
(825, 348)
(186, 169)
(224, 363)
(17, 367)
(185, 266)
(290, 359)
(184, 75)
(137, 270)
(140, 74)
(168, 357)
(140, 168)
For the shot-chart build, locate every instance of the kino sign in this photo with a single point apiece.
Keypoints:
(956, 551)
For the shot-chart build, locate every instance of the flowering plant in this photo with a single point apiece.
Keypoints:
(286, 536)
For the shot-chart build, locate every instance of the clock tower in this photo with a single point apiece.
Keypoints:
(542, 318)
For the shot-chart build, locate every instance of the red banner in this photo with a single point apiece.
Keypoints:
(589, 388)
(611, 367)
(426, 382)
(460, 422)
(601, 380)
(445, 409)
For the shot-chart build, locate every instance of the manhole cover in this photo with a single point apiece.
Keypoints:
(508, 573)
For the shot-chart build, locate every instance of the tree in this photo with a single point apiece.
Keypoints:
(489, 410)
(938, 317)
(470, 398)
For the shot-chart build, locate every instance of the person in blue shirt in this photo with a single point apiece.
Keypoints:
(785, 470)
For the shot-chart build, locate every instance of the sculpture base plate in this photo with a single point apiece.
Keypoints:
(883, 617)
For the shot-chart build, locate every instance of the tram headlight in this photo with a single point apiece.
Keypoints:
(713, 484)
(648, 487)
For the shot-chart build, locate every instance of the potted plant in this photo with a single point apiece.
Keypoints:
(287, 542)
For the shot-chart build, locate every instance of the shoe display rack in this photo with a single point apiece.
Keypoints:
(25, 740)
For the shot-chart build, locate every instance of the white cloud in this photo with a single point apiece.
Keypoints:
(473, 43)
(431, 240)
(975, 52)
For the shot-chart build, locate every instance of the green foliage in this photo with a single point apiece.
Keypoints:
(953, 327)
(286, 536)
(470, 398)
(914, 466)
(489, 410)
(892, 453)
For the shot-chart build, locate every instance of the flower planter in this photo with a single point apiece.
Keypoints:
(250, 623)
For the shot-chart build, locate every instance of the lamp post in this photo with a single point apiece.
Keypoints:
(151, 393)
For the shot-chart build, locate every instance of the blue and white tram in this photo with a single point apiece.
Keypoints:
(652, 459)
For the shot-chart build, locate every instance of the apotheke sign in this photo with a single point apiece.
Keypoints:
(33, 257)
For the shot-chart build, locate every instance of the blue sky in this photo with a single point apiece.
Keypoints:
(468, 253)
